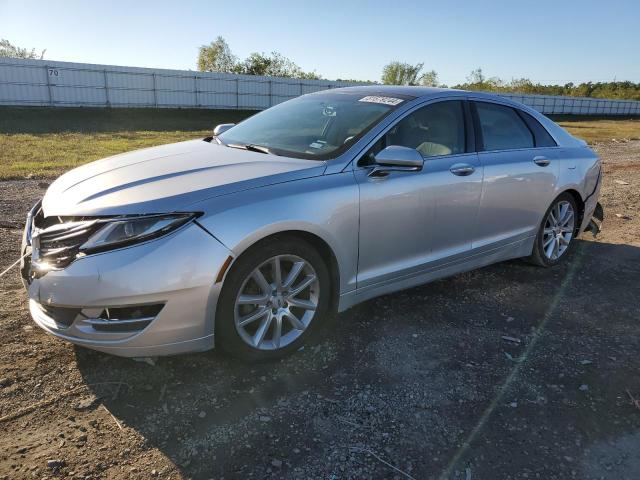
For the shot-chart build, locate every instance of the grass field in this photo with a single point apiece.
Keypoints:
(45, 142)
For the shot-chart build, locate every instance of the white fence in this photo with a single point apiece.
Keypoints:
(64, 84)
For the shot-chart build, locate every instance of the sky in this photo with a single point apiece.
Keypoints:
(556, 41)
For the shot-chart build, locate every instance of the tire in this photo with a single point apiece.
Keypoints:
(253, 341)
(560, 233)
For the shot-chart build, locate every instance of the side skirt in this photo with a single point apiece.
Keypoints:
(521, 248)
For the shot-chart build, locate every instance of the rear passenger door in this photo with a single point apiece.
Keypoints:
(520, 174)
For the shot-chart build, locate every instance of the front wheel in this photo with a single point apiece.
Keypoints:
(273, 299)
(556, 233)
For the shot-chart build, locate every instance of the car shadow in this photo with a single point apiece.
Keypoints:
(483, 371)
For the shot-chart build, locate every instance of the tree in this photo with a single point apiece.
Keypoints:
(274, 65)
(476, 76)
(216, 57)
(398, 73)
(619, 90)
(429, 79)
(353, 80)
(8, 50)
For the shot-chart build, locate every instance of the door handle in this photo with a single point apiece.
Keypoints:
(541, 161)
(462, 169)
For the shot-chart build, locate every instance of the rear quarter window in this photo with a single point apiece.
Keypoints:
(542, 136)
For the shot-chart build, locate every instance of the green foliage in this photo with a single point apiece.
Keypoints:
(274, 65)
(399, 73)
(429, 79)
(11, 51)
(614, 90)
(217, 57)
(352, 80)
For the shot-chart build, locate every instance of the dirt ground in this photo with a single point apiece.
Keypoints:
(508, 372)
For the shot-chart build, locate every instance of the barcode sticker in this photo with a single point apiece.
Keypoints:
(383, 100)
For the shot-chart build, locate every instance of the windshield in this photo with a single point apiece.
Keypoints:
(317, 126)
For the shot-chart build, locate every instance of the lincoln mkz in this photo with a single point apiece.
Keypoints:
(252, 238)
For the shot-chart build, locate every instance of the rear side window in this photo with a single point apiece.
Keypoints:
(502, 128)
(542, 137)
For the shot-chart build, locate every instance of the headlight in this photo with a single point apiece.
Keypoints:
(121, 232)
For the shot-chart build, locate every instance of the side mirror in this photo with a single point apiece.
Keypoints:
(399, 158)
(223, 127)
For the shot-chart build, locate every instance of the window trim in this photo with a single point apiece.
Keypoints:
(470, 134)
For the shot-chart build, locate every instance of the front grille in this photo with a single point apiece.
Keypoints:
(57, 240)
(59, 245)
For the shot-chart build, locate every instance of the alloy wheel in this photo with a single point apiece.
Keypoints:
(558, 230)
(276, 302)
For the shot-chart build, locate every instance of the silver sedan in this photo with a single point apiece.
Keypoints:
(251, 238)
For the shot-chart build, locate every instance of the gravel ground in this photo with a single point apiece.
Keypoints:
(507, 372)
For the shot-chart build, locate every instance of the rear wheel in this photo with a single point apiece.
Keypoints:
(556, 233)
(273, 299)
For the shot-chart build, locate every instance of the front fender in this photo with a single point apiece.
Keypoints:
(324, 206)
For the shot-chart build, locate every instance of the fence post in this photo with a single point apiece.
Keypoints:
(155, 92)
(106, 87)
(46, 74)
(270, 93)
(237, 93)
(300, 87)
(195, 90)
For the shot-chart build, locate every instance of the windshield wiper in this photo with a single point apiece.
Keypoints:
(251, 147)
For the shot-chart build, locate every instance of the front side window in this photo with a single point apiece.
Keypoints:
(502, 128)
(317, 127)
(434, 130)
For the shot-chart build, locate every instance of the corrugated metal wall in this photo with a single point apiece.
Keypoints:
(59, 84)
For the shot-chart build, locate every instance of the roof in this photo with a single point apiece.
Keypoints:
(411, 91)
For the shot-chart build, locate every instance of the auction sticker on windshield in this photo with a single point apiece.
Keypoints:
(384, 100)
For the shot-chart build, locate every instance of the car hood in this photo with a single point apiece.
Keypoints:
(168, 178)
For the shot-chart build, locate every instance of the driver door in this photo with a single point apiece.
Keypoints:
(414, 221)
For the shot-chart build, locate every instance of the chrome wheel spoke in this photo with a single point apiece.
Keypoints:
(277, 331)
(549, 250)
(258, 337)
(295, 321)
(252, 317)
(566, 219)
(556, 248)
(277, 272)
(301, 286)
(261, 281)
(563, 208)
(253, 300)
(297, 302)
(293, 274)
